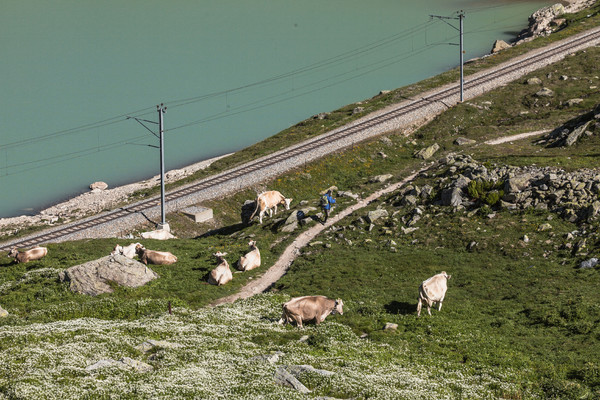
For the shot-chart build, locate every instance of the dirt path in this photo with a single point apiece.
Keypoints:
(515, 137)
(281, 266)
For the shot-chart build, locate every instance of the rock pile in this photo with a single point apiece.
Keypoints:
(573, 195)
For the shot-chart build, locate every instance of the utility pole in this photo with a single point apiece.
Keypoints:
(460, 17)
(163, 224)
(162, 109)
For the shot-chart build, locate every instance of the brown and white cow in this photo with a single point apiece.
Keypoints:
(433, 290)
(29, 255)
(221, 274)
(127, 251)
(308, 308)
(154, 257)
(251, 260)
(266, 201)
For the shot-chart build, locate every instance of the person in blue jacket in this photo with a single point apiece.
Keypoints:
(326, 203)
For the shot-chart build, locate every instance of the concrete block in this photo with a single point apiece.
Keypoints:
(198, 214)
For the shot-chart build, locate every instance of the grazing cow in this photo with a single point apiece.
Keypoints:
(433, 291)
(266, 201)
(221, 274)
(154, 257)
(309, 308)
(29, 255)
(251, 260)
(127, 251)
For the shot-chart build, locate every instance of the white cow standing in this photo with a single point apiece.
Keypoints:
(266, 201)
(433, 290)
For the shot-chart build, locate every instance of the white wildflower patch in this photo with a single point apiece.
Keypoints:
(215, 353)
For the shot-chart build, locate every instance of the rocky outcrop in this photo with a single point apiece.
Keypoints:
(499, 45)
(569, 133)
(427, 152)
(92, 278)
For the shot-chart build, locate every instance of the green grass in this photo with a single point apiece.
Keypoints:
(520, 321)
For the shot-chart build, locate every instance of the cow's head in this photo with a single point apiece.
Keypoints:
(218, 254)
(13, 252)
(287, 203)
(338, 308)
(117, 250)
(139, 248)
(445, 274)
(252, 243)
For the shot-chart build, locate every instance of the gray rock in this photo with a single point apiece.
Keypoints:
(452, 197)
(591, 263)
(499, 45)
(544, 227)
(461, 141)
(374, 215)
(290, 227)
(576, 134)
(298, 370)
(345, 193)
(284, 378)
(428, 152)
(99, 186)
(545, 92)
(93, 277)
(534, 81)
(406, 231)
(573, 102)
(408, 200)
(390, 326)
(517, 183)
(358, 110)
(152, 344)
(381, 178)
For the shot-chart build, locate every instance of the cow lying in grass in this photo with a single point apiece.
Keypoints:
(309, 308)
(221, 274)
(251, 260)
(127, 251)
(154, 257)
(35, 253)
(433, 290)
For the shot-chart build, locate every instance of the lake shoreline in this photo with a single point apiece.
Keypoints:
(96, 201)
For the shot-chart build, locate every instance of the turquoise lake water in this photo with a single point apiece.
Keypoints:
(231, 73)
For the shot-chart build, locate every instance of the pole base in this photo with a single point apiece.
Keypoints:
(163, 227)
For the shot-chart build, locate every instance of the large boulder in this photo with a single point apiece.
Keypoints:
(374, 215)
(427, 152)
(499, 45)
(92, 278)
(452, 197)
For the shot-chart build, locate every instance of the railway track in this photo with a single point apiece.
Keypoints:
(446, 95)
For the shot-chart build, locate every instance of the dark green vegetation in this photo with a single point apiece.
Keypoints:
(511, 304)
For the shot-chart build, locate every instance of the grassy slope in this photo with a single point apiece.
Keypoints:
(519, 320)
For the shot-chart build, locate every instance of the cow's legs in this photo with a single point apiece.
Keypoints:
(419, 305)
(260, 215)
(275, 208)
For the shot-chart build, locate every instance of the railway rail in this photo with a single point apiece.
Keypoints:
(446, 95)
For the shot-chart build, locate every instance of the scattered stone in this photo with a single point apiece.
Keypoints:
(471, 246)
(92, 278)
(3, 313)
(534, 81)
(381, 178)
(99, 186)
(358, 110)
(526, 238)
(544, 227)
(304, 338)
(591, 263)
(151, 344)
(545, 92)
(321, 116)
(298, 370)
(573, 102)
(390, 326)
(345, 193)
(563, 77)
(374, 215)
(284, 378)
(461, 141)
(427, 152)
(382, 154)
(499, 45)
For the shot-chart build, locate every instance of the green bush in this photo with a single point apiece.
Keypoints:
(486, 192)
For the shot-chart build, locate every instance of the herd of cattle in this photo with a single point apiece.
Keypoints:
(298, 309)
